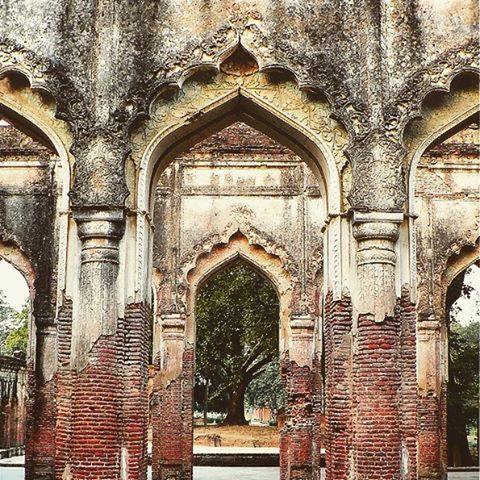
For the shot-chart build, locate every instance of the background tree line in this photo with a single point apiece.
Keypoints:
(13, 329)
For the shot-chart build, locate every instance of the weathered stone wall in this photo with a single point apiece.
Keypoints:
(448, 234)
(119, 89)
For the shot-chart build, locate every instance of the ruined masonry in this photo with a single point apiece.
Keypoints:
(144, 145)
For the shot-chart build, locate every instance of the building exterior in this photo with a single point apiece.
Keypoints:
(13, 385)
(377, 98)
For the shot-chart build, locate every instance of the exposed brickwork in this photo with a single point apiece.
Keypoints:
(318, 418)
(97, 399)
(172, 421)
(64, 388)
(338, 444)
(406, 315)
(135, 402)
(377, 440)
(296, 444)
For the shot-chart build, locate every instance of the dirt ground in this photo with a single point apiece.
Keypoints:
(235, 436)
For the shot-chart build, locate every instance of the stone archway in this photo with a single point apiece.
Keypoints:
(173, 391)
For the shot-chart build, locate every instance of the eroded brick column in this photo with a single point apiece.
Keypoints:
(97, 351)
(172, 401)
(338, 385)
(431, 401)
(296, 445)
(377, 375)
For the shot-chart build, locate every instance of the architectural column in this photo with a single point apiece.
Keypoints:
(432, 396)
(41, 406)
(296, 445)
(172, 403)
(97, 352)
(377, 376)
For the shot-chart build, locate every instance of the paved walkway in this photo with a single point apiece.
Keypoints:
(227, 473)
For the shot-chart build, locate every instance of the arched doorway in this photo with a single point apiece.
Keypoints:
(209, 104)
(463, 319)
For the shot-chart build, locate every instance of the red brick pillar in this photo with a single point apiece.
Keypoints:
(431, 401)
(338, 386)
(377, 441)
(135, 400)
(297, 433)
(98, 344)
(171, 405)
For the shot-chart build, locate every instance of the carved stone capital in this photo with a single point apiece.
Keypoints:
(100, 170)
(377, 184)
(430, 357)
(376, 235)
(302, 328)
(100, 232)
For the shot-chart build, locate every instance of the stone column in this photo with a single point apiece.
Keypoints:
(97, 351)
(172, 404)
(431, 375)
(41, 406)
(376, 369)
(297, 434)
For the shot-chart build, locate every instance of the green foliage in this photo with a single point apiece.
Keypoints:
(7, 319)
(237, 327)
(463, 395)
(267, 389)
(17, 339)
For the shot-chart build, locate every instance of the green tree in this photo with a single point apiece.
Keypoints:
(7, 316)
(237, 335)
(463, 382)
(17, 339)
(267, 390)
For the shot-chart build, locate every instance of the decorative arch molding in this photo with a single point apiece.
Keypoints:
(209, 102)
(43, 75)
(458, 261)
(436, 76)
(27, 106)
(323, 79)
(450, 111)
(447, 115)
(219, 257)
(18, 260)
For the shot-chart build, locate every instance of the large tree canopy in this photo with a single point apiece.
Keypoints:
(237, 319)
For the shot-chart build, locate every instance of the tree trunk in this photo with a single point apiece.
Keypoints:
(205, 405)
(236, 406)
(458, 452)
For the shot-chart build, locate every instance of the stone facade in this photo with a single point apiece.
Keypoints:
(367, 94)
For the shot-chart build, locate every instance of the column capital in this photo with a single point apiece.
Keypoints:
(376, 234)
(100, 223)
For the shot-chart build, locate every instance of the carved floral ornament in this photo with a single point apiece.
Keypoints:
(205, 91)
(436, 76)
